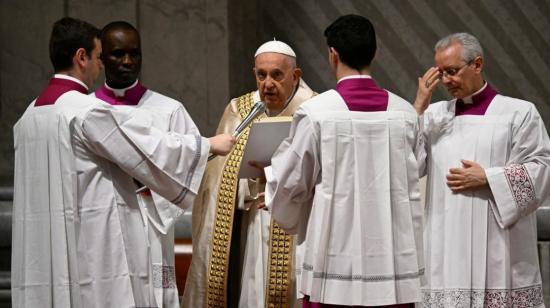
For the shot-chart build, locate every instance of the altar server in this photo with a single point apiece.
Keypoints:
(346, 181)
(122, 58)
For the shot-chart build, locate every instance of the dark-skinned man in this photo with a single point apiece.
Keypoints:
(122, 59)
(75, 158)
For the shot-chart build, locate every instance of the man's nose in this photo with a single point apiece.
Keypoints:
(127, 59)
(445, 79)
(269, 82)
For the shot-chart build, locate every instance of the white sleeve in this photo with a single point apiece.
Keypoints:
(168, 163)
(521, 186)
(182, 123)
(162, 213)
(420, 150)
(292, 177)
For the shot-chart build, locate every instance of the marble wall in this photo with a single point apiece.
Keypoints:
(515, 35)
(185, 54)
(201, 52)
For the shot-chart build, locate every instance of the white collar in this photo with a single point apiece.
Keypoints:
(354, 77)
(468, 99)
(67, 77)
(121, 92)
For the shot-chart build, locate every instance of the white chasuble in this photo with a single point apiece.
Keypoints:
(347, 184)
(255, 230)
(481, 246)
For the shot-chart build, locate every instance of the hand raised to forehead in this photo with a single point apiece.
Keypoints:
(426, 86)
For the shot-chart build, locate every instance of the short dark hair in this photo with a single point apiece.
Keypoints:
(354, 39)
(117, 25)
(68, 35)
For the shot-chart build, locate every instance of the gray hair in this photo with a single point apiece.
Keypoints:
(471, 48)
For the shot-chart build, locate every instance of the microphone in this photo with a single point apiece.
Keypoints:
(259, 108)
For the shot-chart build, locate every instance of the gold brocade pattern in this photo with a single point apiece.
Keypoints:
(280, 263)
(216, 290)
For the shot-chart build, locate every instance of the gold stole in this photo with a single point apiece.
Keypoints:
(280, 273)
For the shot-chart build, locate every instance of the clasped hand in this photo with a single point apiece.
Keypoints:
(471, 176)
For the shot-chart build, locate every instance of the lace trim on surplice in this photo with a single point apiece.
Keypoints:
(164, 277)
(365, 278)
(520, 184)
(490, 298)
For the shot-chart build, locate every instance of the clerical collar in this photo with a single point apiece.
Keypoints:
(354, 77)
(479, 102)
(127, 96)
(468, 99)
(120, 92)
(58, 86)
(67, 77)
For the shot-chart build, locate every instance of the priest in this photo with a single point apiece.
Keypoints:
(122, 58)
(346, 182)
(488, 170)
(68, 249)
(232, 256)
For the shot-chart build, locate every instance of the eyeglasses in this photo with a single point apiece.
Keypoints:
(453, 71)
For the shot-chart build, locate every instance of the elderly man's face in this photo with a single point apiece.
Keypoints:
(121, 57)
(460, 78)
(276, 78)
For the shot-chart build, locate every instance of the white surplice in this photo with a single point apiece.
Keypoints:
(480, 246)
(113, 146)
(44, 222)
(168, 115)
(347, 184)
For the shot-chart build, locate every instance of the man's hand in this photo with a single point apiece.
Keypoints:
(259, 166)
(471, 177)
(426, 86)
(221, 144)
(262, 205)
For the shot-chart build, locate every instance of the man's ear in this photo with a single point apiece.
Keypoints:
(478, 64)
(334, 56)
(80, 58)
(297, 73)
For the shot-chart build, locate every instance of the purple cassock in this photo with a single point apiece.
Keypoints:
(479, 105)
(362, 94)
(57, 87)
(131, 97)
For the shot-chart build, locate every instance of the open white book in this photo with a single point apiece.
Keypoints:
(265, 137)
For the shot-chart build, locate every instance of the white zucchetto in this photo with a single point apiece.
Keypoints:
(275, 46)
